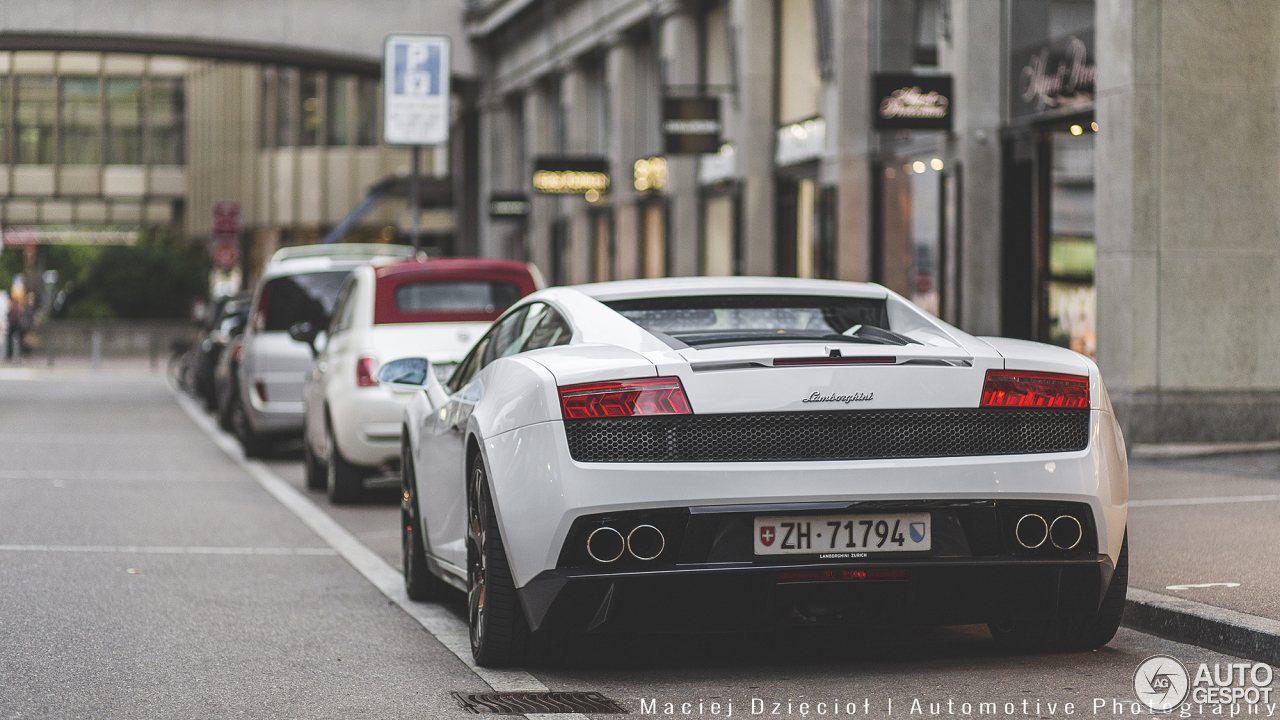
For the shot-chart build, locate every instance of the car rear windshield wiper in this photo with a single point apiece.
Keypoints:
(880, 335)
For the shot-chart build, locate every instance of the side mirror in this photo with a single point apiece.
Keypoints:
(411, 372)
(305, 332)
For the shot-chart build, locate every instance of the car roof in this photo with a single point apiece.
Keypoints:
(469, 266)
(667, 287)
(352, 251)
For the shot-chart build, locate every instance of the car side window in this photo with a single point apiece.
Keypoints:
(551, 330)
(342, 308)
(469, 365)
(504, 337)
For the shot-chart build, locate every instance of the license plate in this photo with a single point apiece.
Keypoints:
(842, 536)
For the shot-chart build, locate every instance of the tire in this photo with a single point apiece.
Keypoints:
(419, 582)
(316, 473)
(498, 629)
(1082, 629)
(225, 407)
(344, 481)
(255, 445)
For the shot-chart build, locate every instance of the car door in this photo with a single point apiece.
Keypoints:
(442, 462)
(325, 366)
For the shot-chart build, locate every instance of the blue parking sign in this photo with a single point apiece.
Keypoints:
(416, 89)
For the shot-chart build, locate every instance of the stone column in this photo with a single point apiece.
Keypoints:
(849, 121)
(755, 131)
(680, 54)
(575, 97)
(620, 74)
(538, 121)
(1188, 172)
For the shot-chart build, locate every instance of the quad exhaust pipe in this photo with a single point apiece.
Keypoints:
(644, 542)
(1064, 533)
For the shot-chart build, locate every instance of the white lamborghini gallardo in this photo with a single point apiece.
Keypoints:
(745, 453)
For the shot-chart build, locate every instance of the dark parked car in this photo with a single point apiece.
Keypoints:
(226, 318)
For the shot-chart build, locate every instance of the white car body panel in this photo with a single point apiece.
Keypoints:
(511, 410)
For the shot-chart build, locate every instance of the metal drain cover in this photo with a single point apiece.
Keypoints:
(519, 703)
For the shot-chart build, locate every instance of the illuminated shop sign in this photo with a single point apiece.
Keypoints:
(1057, 77)
(650, 174)
(510, 205)
(912, 102)
(800, 142)
(691, 126)
(571, 175)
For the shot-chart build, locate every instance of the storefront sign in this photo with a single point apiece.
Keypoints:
(650, 174)
(68, 235)
(508, 205)
(571, 175)
(1058, 76)
(415, 81)
(691, 126)
(715, 167)
(912, 102)
(801, 141)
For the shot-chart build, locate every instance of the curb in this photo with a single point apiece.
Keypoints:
(1249, 636)
(1177, 451)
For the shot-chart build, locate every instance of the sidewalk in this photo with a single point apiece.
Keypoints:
(37, 366)
(1204, 538)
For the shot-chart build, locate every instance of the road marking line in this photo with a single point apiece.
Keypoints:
(1168, 502)
(168, 550)
(444, 625)
(1189, 586)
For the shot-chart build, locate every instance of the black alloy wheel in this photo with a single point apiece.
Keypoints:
(419, 582)
(344, 481)
(499, 631)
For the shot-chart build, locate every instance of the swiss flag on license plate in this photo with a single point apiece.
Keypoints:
(767, 534)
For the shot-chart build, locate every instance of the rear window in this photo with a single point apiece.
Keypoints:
(456, 296)
(739, 319)
(307, 297)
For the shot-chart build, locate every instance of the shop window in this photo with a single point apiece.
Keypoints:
(799, 78)
(167, 120)
(37, 112)
(367, 107)
(338, 106)
(124, 121)
(309, 109)
(267, 107)
(560, 251)
(912, 252)
(1072, 299)
(601, 244)
(81, 121)
(719, 235)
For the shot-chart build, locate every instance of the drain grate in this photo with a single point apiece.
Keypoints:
(518, 703)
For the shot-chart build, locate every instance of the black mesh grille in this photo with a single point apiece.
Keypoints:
(856, 435)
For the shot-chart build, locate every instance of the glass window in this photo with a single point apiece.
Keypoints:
(37, 113)
(1072, 296)
(4, 120)
(470, 295)
(719, 254)
(740, 319)
(800, 83)
(167, 118)
(295, 298)
(551, 330)
(505, 337)
(266, 108)
(367, 107)
(470, 364)
(286, 110)
(310, 109)
(124, 121)
(81, 121)
(339, 110)
(340, 320)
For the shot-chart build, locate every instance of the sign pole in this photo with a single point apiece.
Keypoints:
(415, 200)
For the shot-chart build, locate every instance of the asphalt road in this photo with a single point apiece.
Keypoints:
(145, 573)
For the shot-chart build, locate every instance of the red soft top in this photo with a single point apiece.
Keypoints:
(390, 277)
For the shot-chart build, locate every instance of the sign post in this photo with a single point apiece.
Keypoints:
(226, 234)
(415, 91)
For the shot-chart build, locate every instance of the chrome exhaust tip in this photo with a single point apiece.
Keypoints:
(605, 544)
(1031, 531)
(1065, 532)
(646, 542)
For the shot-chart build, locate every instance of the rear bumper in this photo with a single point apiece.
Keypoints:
(718, 599)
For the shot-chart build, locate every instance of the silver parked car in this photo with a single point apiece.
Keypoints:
(299, 285)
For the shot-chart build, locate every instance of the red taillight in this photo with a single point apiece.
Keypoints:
(624, 398)
(833, 575)
(236, 350)
(1015, 388)
(364, 372)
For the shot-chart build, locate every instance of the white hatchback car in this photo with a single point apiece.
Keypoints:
(299, 284)
(435, 309)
